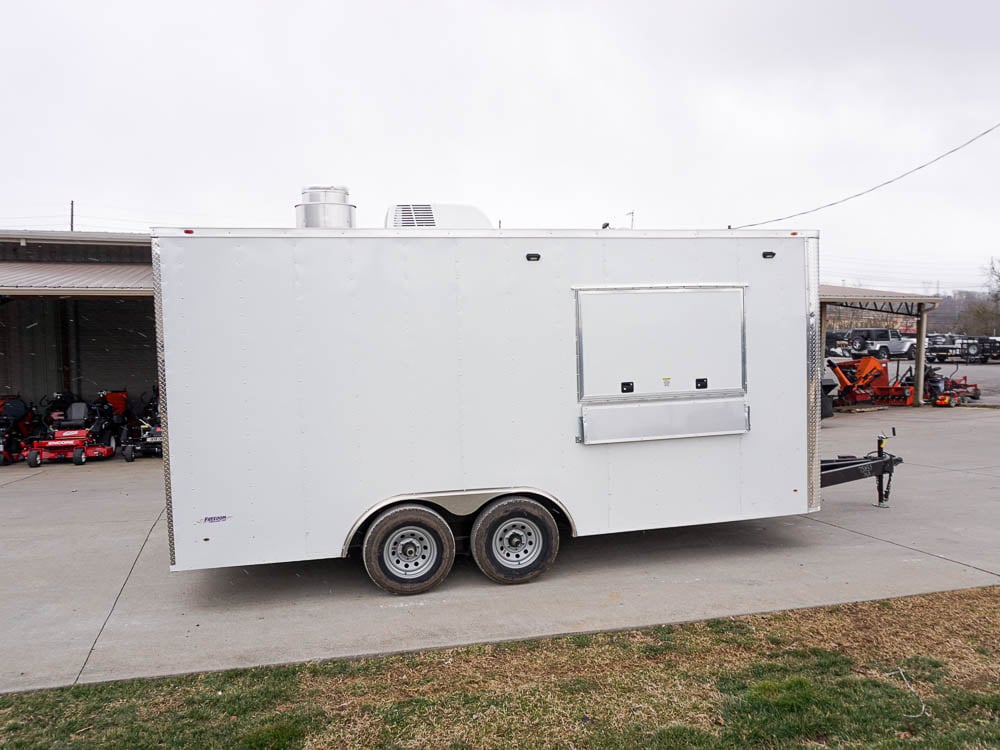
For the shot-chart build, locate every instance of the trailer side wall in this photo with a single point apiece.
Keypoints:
(311, 375)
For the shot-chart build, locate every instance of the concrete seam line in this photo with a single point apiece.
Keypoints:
(118, 596)
(21, 479)
(905, 546)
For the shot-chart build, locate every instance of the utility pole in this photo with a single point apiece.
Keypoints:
(631, 218)
(71, 211)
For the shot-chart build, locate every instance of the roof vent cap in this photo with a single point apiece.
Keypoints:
(324, 207)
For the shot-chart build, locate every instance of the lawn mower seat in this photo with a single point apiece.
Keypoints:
(13, 410)
(76, 416)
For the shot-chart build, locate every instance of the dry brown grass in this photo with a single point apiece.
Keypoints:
(165, 702)
(961, 628)
(512, 694)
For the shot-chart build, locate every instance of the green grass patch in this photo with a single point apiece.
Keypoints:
(240, 709)
(729, 626)
(812, 708)
(923, 668)
(512, 647)
(663, 633)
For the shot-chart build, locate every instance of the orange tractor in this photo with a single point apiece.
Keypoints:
(865, 382)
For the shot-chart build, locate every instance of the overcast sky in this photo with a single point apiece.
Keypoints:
(544, 114)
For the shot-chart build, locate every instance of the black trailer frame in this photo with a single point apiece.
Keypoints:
(878, 464)
(968, 349)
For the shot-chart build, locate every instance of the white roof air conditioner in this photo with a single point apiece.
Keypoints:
(435, 215)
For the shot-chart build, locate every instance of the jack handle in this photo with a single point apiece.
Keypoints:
(884, 487)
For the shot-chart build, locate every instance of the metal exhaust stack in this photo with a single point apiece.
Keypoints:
(324, 207)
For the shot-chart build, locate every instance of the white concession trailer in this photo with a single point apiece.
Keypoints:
(410, 393)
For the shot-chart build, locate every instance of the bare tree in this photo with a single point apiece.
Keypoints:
(982, 316)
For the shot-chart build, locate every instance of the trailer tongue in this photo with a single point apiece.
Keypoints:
(878, 464)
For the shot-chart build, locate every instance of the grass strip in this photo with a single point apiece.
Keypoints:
(920, 671)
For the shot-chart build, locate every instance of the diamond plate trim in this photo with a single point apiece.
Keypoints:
(814, 370)
(162, 382)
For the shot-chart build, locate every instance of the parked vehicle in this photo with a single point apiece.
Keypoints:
(944, 390)
(145, 436)
(17, 419)
(883, 343)
(866, 382)
(78, 432)
(969, 349)
(484, 391)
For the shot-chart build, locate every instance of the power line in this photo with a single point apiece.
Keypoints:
(880, 185)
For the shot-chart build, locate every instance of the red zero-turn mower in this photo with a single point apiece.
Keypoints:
(16, 422)
(945, 390)
(83, 431)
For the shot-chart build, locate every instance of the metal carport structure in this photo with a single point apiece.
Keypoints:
(892, 303)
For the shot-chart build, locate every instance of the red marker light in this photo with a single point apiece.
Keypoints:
(188, 231)
(793, 233)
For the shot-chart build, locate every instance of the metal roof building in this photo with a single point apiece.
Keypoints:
(75, 263)
(76, 313)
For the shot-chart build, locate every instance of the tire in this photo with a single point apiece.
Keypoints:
(409, 549)
(128, 453)
(911, 354)
(883, 352)
(514, 540)
(34, 459)
(941, 357)
(826, 407)
(3, 457)
(79, 456)
(112, 443)
(976, 395)
(972, 350)
(859, 345)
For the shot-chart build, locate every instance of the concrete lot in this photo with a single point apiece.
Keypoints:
(86, 595)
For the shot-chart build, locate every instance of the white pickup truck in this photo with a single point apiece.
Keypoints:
(883, 343)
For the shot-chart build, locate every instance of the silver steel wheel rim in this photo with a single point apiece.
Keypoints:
(517, 543)
(410, 552)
